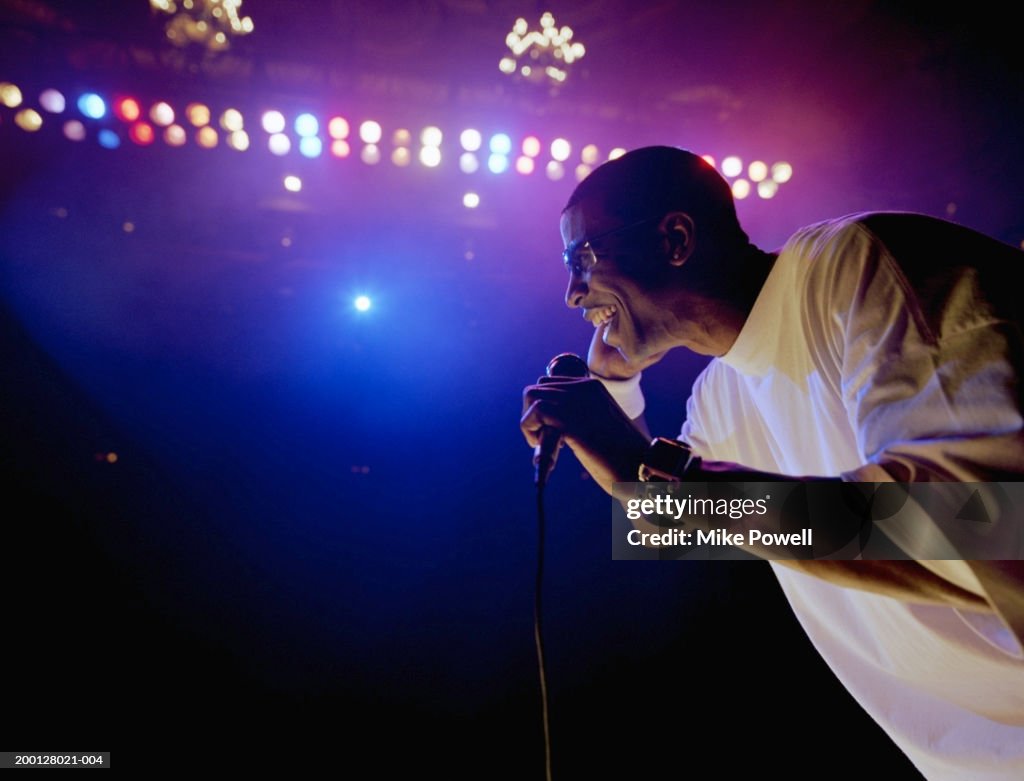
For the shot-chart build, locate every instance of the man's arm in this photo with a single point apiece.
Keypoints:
(611, 448)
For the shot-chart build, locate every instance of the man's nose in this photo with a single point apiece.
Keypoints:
(576, 291)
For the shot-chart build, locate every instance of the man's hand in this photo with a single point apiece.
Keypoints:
(604, 440)
(608, 362)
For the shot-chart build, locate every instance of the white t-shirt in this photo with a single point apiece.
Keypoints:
(853, 364)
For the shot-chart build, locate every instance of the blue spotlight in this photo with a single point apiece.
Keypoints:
(92, 105)
(306, 125)
(108, 139)
(363, 303)
(311, 146)
(497, 163)
(501, 144)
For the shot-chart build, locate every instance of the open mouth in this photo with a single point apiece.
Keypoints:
(603, 315)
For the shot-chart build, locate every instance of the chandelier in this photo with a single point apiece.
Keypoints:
(208, 23)
(542, 55)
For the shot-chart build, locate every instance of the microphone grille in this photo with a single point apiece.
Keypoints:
(567, 365)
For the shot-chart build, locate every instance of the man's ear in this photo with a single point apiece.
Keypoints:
(680, 236)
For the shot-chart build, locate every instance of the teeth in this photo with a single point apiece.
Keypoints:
(603, 315)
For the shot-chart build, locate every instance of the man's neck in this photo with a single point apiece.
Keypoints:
(729, 313)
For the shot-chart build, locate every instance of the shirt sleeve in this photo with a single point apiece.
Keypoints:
(932, 396)
(930, 375)
(627, 394)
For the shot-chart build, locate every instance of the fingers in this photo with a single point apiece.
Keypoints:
(544, 405)
(566, 404)
(536, 418)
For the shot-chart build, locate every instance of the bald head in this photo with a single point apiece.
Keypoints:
(656, 180)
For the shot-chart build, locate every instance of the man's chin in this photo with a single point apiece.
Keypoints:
(625, 352)
(612, 341)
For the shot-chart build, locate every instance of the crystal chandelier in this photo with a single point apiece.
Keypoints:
(540, 55)
(209, 23)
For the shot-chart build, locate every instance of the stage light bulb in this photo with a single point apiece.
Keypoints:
(470, 139)
(92, 105)
(740, 189)
(29, 120)
(10, 95)
(757, 171)
(560, 150)
(401, 157)
(363, 303)
(162, 114)
(273, 122)
(141, 133)
(430, 156)
(238, 140)
(207, 137)
(74, 130)
(782, 172)
(279, 144)
(501, 144)
(370, 154)
(175, 135)
(370, 132)
(199, 114)
(338, 128)
(732, 166)
(292, 184)
(431, 136)
(311, 146)
(231, 120)
(52, 101)
(306, 125)
(108, 139)
(127, 109)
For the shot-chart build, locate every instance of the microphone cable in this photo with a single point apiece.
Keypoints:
(565, 365)
(538, 634)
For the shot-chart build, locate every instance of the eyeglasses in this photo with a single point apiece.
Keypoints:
(579, 257)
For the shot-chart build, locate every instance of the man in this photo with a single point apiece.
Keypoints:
(876, 347)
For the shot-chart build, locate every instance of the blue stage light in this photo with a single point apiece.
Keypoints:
(497, 163)
(92, 105)
(108, 139)
(501, 144)
(306, 125)
(363, 303)
(311, 146)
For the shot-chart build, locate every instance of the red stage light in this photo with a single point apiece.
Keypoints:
(127, 109)
(141, 133)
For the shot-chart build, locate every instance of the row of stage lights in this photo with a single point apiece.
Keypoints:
(313, 139)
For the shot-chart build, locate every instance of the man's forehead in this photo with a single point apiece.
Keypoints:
(585, 218)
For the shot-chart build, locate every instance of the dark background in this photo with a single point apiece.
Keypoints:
(318, 540)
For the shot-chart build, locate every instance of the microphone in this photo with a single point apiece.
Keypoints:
(546, 453)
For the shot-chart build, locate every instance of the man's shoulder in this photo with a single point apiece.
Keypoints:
(827, 237)
(935, 262)
(910, 238)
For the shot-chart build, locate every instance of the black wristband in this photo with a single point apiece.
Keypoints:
(667, 460)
